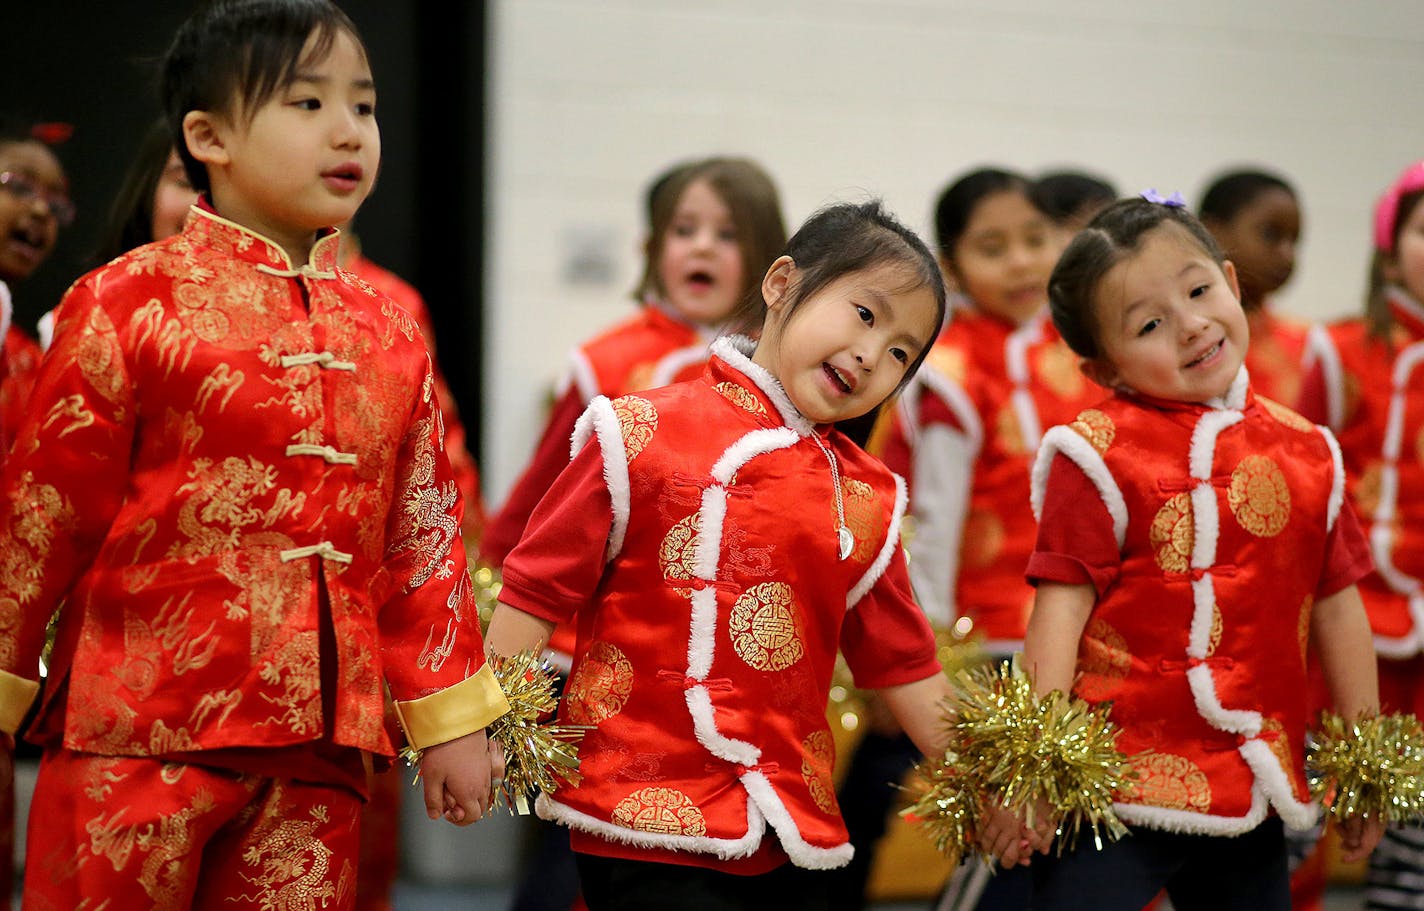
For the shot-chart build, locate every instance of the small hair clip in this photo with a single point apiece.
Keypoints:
(1175, 201)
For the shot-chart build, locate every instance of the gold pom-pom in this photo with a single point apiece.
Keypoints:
(1024, 752)
(538, 756)
(1370, 767)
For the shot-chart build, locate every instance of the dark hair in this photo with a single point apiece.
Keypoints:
(1114, 234)
(845, 238)
(1065, 195)
(130, 219)
(1233, 191)
(958, 201)
(1377, 312)
(746, 190)
(233, 55)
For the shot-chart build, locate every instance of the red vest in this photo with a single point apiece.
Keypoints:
(645, 351)
(705, 659)
(1223, 515)
(1002, 386)
(1374, 393)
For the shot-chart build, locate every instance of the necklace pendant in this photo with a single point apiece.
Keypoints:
(847, 541)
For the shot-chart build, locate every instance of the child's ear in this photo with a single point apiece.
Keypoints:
(203, 134)
(1228, 268)
(946, 268)
(777, 282)
(1100, 372)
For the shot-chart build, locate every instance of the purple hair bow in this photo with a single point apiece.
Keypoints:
(1174, 201)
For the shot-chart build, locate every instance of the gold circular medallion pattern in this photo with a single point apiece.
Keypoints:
(1172, 535)
(1104, 661)
(860, 516)
(948, 361)
(638, 420)
(765, 626)
(1170, 781)
(678, 552)
(1095, 427)
(661, 811)
(818, 754)
(600, 685)
(744, 399)
(1259, 497)
(1286, 416)
(1058, 366)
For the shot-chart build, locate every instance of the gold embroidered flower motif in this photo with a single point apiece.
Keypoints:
(1169, 781)
(1172, 535)
(662, 811)
(818, 754)
(1259, 497)
(861, 518)
(638, 420)
(1104, 661)
(742, 398)
(600, 686)
(1058, 366)
(1095, 427)
(1286, 416)
(766, 629)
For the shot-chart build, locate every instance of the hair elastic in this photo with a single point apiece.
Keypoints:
(1175, 201)
(1410, 180)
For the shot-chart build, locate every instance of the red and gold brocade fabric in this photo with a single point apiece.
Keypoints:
(1274, 358)
(19, 365)
(996, 387)
(214, 437)
(710, 608)
(1223, 518)
(1370, 390)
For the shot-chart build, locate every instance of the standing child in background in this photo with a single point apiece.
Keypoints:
(1366, 385)
(1255, 218)
(717, 541)
(153, 201)
(1193, 542)
(1072, 198)
(232, 476)
(34, 205)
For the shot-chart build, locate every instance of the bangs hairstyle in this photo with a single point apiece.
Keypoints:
(956, 204)
(749, 195)
(234, 55)
(1377, 312)
(1113, 235)
(843, 239)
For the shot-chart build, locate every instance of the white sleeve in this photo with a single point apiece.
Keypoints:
(943, 472)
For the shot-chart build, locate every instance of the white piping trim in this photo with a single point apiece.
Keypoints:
(1236, 721)
(1337, 479)
(1190, 823)
(667, 368)
(956, 399)
(1069, 442)
(736, 350)
(600, 419)
(1320, 347)
(887, 548)
(725, 848)
(704, 723)
(802, 853)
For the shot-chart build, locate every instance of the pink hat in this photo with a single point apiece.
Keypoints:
(1387, 209)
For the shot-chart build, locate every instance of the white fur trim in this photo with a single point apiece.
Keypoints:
(1272, 779)
(1235, 397)
(582, 376)
(702, 637)
(1016, 365)
(802, 854)
(1237, 721)
(710, 521)
(1320, 348)
(737, 351)
(1206, 525)
(1204, 435)
(725, 848)
(887, 548)
(7, 311)
(1190, 823)
(704, 723)
(600, 419)
(1067, 441)
(44, 329)
(667, 368)
(1337, 479)
(1203, 610)
(748, 447)
(954, 398)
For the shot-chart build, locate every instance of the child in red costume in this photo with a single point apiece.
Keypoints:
(718, 541)
(1362, 384)
(232, 478)
(1193, 544)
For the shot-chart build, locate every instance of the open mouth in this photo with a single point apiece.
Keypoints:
(29, 241)
(345, 176)
(1206, 355)
(700, 280)
(838, 379)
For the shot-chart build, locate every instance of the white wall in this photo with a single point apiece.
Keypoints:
(847, 98)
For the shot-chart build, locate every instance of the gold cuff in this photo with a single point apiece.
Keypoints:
(17, 694)
(455, 711)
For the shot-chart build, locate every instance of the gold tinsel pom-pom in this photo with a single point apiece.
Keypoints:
(1370, 767)
(1024, 752)
(538, 755)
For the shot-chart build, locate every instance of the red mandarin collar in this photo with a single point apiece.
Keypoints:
(211, 229)
(731, 362)
(1239, 397)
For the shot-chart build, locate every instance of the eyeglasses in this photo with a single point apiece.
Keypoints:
(26, 190)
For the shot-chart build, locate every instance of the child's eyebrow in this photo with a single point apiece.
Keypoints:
(316, 79)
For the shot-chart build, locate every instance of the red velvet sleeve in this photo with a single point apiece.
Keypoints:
(886, 639)
(1075, 538)
(506, 527)
(556, 567)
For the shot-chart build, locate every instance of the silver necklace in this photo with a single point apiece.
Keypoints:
(844, 538)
